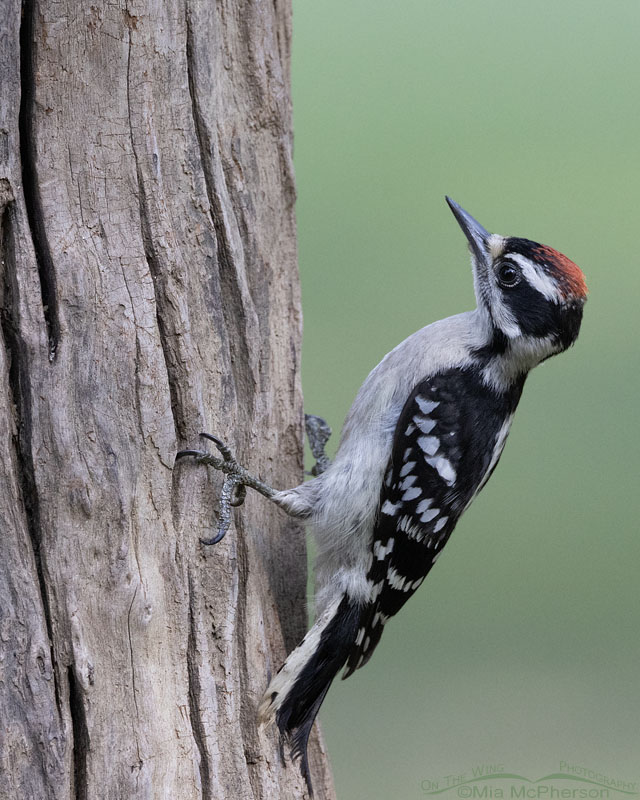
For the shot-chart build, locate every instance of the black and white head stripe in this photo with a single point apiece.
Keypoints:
(531, 290)
(447, 441)
(528, 290)
(567, 277)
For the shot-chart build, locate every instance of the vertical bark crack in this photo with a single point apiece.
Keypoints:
(133, 669)
(80, 736)
(158, 280)
(20, 387)
(155, 271)
(234, 310)
(30, 185)
(248, 713)
(197, 726)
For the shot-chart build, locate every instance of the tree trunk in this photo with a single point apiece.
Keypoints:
(149, 290)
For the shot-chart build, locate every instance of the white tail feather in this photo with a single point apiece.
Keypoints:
(283, 682)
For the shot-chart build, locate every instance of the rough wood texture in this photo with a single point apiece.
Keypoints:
(148, 290)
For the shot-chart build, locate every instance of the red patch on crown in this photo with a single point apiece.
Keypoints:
(569, 276)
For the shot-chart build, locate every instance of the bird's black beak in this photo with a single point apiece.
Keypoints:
(477, 235)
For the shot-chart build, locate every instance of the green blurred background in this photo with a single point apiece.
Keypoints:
(523, 646)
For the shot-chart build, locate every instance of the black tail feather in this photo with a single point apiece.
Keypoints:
(300, 739)
(298, 711)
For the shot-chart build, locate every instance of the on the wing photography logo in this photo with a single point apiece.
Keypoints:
(495, 782)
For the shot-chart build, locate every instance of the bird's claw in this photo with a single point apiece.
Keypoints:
(238, 495)
(236, 477)
(225, 452)
(318, 433)
(234, 485)
(233, 489)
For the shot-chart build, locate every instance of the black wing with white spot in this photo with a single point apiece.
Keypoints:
(447, 442)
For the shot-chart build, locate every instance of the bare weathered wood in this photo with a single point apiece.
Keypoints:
(149, 291)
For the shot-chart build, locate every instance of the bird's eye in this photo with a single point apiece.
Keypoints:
(508, 275)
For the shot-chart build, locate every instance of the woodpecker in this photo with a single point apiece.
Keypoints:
(422, 438)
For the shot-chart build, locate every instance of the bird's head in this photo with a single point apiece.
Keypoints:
(530, 294)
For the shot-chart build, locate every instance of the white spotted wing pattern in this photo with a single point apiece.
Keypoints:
(444, 450)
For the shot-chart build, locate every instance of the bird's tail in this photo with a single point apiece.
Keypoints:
(296, 693)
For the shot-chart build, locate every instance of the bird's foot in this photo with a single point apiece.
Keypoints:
(318, 433)
(237, 478)
(235, 482)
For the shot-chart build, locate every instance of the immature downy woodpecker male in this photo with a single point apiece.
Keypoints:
(422, 438)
